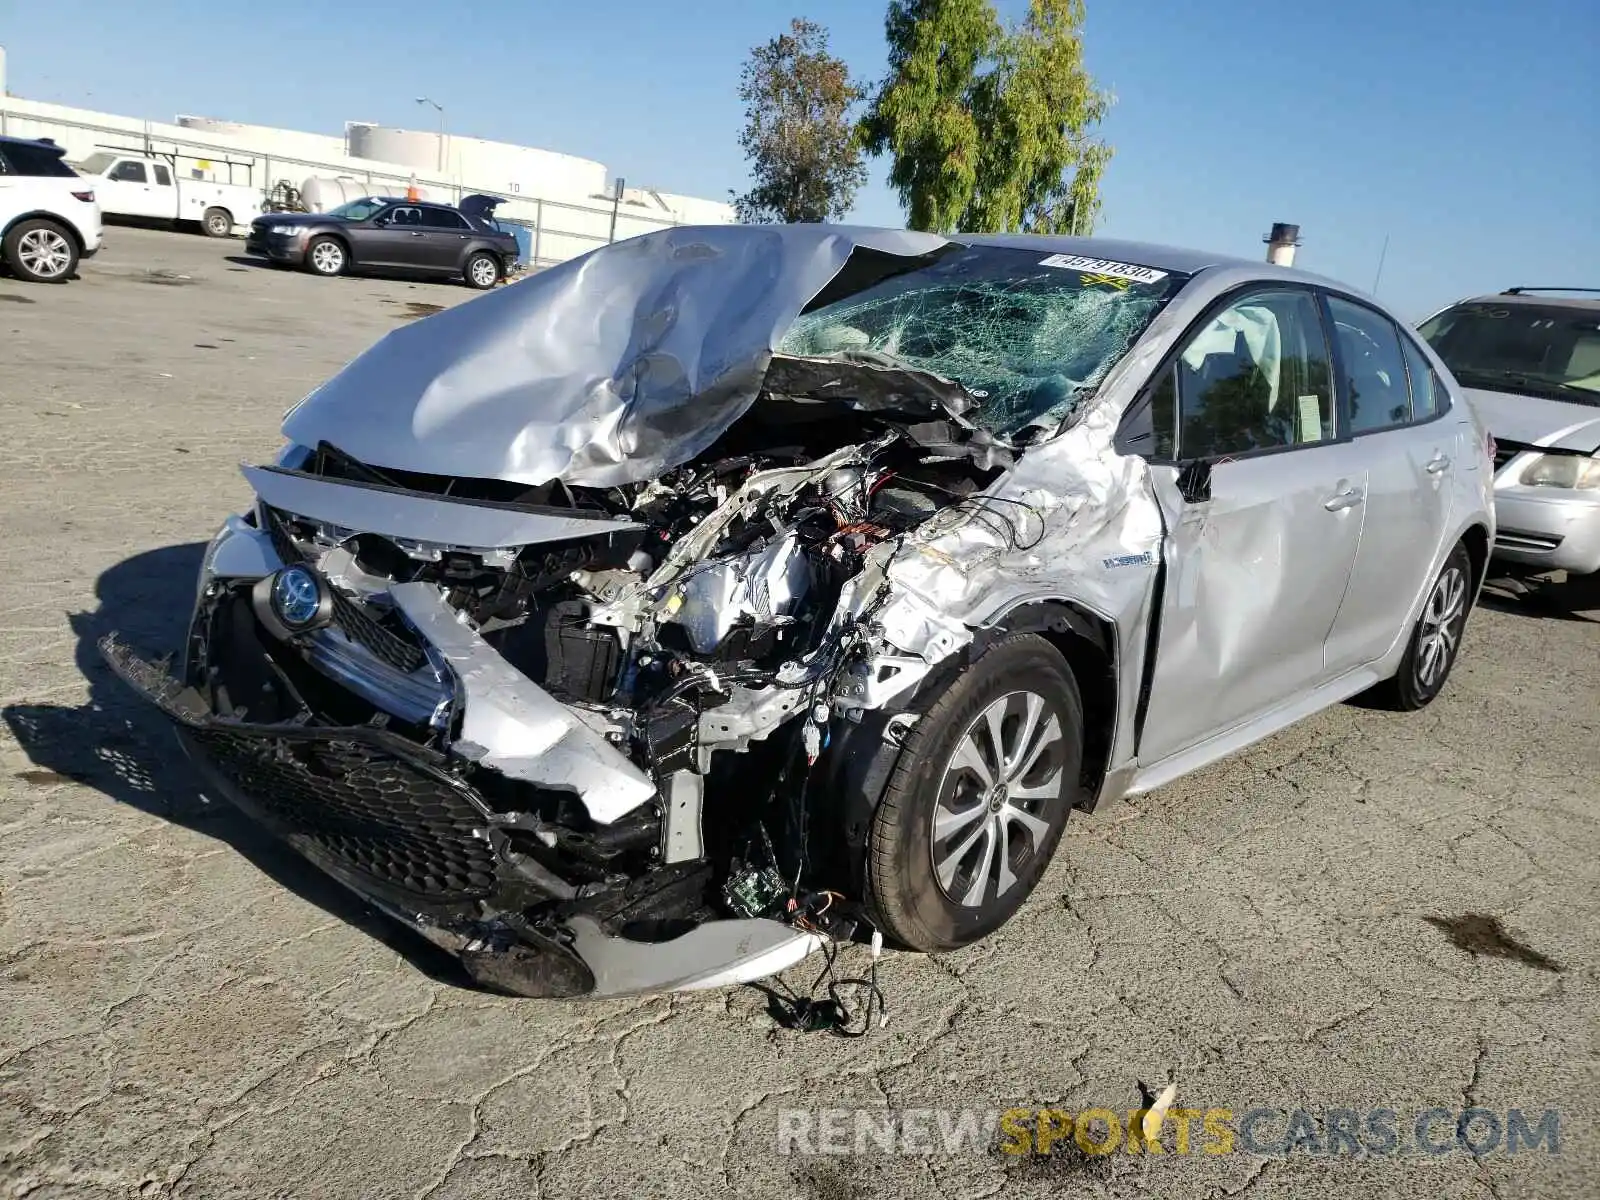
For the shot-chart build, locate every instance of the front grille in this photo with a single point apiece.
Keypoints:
(1508, 539)
(399, 649)
(384, 816)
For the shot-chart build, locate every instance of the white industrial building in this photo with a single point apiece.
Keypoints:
(568, 202)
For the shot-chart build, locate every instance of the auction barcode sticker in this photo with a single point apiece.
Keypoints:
(1104, 266)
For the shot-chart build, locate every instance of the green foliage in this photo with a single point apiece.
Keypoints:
(990, 129)
(799, 132)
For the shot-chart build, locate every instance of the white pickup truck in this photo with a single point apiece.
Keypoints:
(130, 185)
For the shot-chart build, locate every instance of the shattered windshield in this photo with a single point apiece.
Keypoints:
(1030, 335)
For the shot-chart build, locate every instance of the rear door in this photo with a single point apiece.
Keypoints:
(447, 236)
(1262, 497)
(1388, 395)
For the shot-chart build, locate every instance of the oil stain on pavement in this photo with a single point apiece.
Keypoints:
(1483, 936)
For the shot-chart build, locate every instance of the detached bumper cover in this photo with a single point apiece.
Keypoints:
(398, 825)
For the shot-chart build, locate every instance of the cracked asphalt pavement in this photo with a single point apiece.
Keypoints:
(1370, 910)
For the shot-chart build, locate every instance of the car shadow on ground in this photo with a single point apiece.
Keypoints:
(1560, 601)
(122, 747)
(246, 260)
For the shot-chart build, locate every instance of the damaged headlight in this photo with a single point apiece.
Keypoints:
(1562, 471)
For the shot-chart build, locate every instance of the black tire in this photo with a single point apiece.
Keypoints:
(478, 276)
(41, 251)
(333, 260)
(217, 222)
(1422, 674)
(905, 893)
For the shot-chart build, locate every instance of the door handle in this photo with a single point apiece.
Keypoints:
(1348, 498)
(1438, 464)
(416, 233)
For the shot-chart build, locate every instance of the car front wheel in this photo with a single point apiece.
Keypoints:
(326, 256)
(978, 799)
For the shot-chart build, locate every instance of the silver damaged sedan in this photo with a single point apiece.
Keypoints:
(644, 624)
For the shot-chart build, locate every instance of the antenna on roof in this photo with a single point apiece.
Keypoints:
(1382, 254)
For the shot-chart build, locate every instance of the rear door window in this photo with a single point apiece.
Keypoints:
(1425, 399)
(442, 218)
(1374, 367)
(163, 176)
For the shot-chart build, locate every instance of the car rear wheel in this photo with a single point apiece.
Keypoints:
(326, 256)
(978, 799)
(41, 251)
(482, 271)
(218, 222)
(1435, 639)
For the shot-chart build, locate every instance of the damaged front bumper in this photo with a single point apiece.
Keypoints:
(455, 837)
(397, 825)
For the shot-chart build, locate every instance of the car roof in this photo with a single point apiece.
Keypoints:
(1151, 254)
(35, 143)
(1512, 299)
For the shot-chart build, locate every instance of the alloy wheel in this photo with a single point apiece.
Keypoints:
(45, 252)
(1441, 628)
(327, 258)
(986, 820)
(483, 272)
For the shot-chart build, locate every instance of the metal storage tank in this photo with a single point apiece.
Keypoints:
(319, 194)
(496, 166)
(263, 139)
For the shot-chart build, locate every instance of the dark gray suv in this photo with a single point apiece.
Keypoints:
(386, 233)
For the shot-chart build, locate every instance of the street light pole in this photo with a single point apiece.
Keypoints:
(440, 108)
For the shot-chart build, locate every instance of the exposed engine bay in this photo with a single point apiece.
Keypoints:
(697, 633)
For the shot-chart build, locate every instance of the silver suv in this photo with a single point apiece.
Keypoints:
(1529, 362)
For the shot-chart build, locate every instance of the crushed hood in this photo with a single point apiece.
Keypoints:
(607, 369)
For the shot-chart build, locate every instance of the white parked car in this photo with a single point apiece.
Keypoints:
(150, 188)
(1529, 361)
(49, 218)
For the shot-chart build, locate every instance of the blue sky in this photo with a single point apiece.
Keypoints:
(1469, 132)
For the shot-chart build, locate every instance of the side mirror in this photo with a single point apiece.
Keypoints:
(380, 222)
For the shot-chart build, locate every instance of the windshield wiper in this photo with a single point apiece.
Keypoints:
(1528, 383)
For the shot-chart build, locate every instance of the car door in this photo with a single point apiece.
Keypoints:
(1387, 394)
(1262, 499)
(164, 194)
(447, 236)
(395, 238)
(127, 191)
